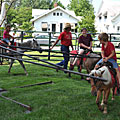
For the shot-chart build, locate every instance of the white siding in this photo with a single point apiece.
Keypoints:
(50, 19)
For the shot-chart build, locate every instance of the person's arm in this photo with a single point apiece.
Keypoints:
(82, 45)
(90, 44)
(110, 56)
(54, 44)
(102, 54)
(10, 35)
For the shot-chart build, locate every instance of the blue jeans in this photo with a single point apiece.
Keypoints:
(64, 49)
(115, 65)
(6, 40)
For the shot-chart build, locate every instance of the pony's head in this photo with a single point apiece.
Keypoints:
(95, 82)
(35, 45)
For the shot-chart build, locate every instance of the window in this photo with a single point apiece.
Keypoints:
(118, 28)
(61, 14)
(54, 14)
(44, 26)
(72, 30)
(100, 18)
(105, 17)
(57, 14)
(114, 26)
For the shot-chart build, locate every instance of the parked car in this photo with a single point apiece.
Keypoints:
(96, 42)
(115, 41)
(44, 39)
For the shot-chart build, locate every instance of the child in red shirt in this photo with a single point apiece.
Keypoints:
(6, 35)
(108, 53)
(66, 41)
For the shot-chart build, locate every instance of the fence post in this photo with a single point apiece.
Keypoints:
(49, 45)
(110, 37)
(21, 36)
(76, 41)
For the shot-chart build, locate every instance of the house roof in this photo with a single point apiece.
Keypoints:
(38, 13)
(112, 7)
(114, 18)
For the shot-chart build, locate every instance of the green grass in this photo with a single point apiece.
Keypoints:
(66, 99)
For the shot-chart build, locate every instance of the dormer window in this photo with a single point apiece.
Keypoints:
(118, 28)
(100, 17)
(57, 14)
(54, 14)
(105, 17)
(61, 14)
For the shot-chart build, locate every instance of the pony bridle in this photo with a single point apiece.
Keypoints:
(95, 82)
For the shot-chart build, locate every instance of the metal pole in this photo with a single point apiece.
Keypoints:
(62, 69)
(49, 45)
(110, 36)
(44, 83)
(21, 36)
(30, 57)
(21, 104)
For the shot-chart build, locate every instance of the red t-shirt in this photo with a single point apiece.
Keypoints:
(66, 38)
(5, 34)
(108, 50)
(85, 40)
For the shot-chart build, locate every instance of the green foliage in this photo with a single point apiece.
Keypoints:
(20, 18)
(26, 26)
(38, 4)
(85, 9)
(1, 31)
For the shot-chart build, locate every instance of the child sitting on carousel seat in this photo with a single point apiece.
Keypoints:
(108, 53)
(6, 35)
(85, 41)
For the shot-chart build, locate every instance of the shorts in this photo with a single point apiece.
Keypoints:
(115, 65)
(6, 40)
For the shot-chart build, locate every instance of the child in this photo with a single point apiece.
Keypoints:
(66, 41)
(108, 53)
(6, 35)
(85, 41)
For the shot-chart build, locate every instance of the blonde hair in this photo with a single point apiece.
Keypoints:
(103, 36)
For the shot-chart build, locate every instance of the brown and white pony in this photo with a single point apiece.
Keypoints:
(102, 87)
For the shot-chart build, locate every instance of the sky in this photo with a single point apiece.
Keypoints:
(65, 2)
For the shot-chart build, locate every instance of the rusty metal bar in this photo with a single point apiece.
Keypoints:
(21, 104)
(43, 83)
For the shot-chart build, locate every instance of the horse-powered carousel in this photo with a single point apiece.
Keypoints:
(101, 83)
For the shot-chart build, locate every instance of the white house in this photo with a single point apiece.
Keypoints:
(54, 20)
(108, 17)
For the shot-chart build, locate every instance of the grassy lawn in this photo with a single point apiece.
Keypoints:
(66, 99)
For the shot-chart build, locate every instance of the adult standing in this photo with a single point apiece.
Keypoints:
(66, 41)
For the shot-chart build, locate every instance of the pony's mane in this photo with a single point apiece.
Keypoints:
(26, 44)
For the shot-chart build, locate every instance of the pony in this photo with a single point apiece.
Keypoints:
(102, 86)
(88, 63)
(30, 44)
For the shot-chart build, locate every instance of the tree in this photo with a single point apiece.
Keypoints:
(38, 4)
(85, 9)
(20, 18)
